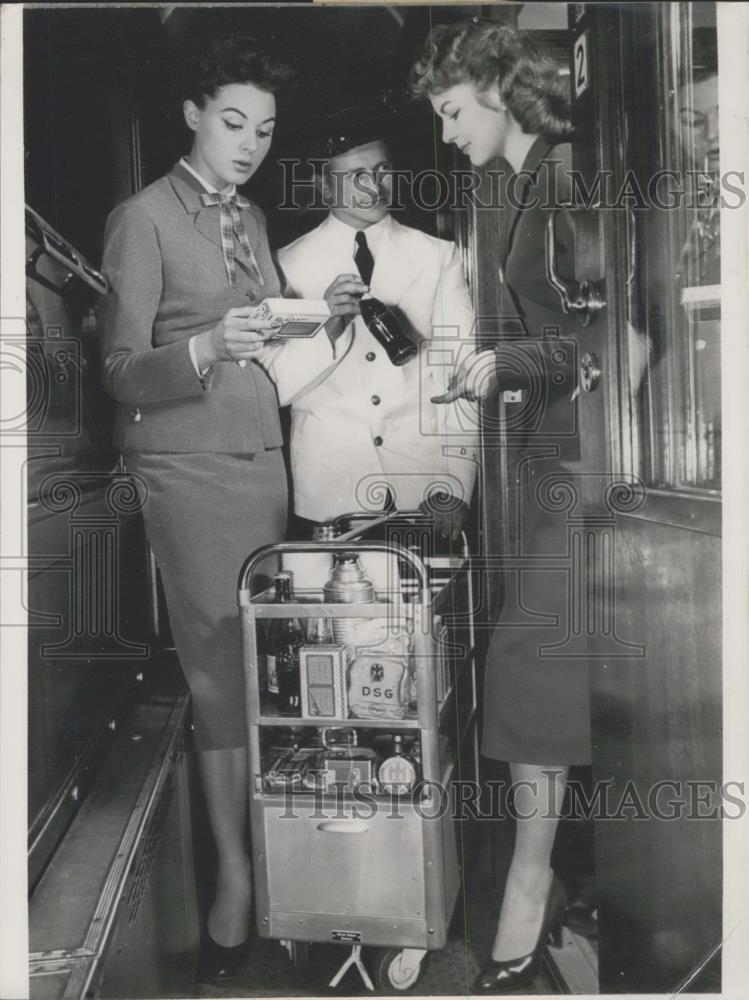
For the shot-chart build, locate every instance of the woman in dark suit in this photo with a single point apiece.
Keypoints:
(188, 262)
(498, 95)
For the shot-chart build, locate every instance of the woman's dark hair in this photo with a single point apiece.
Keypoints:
(227, 59)
(484, 53)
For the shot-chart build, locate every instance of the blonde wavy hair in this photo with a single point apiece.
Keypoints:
(485, 53)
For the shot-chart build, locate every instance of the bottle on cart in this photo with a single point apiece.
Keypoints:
(324, 533)
(285, 636)
(397, 773)
(348, 584)
(282, 583)
(319, 631)
(289, 700)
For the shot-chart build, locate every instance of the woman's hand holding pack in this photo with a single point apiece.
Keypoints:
(238, 336)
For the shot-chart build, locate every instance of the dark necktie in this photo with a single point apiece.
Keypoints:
(231, 225)
(363, 258)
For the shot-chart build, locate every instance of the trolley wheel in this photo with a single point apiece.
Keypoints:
(397, 970)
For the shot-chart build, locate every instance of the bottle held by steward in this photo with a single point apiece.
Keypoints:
(386, 327)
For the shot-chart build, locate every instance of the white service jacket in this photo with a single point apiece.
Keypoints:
(370, 424)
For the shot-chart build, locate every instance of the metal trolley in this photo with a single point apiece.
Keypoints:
(382, 872)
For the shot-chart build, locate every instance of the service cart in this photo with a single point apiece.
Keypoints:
(354, 804)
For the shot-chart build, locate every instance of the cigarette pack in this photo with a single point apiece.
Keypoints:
(322, 671)
(300, 317)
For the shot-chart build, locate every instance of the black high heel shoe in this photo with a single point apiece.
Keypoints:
(218, 964)
(510, 974)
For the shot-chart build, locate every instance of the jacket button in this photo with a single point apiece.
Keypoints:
(371, 356)
(251, 296)
(135, 416)
(376, 400)
(378, 440)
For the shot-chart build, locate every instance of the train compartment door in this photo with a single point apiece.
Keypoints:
(649, 567)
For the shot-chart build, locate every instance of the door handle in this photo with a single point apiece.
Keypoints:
(343, 826)
(583, 299)
(590, 372)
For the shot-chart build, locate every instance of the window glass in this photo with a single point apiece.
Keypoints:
(674, 282)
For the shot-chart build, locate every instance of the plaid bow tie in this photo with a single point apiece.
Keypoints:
(231, 225)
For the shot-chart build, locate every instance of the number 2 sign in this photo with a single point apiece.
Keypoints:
(580, 59)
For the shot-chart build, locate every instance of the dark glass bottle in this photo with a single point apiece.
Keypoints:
(386, 327)
(273, 634)
(285, 636)
(289, 700)
(397, 772)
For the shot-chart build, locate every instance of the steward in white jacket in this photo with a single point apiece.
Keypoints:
(370, 426)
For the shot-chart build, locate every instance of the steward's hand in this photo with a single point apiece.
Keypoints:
(343, 295)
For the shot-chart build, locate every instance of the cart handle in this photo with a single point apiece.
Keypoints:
(408, 515)
(278, 548)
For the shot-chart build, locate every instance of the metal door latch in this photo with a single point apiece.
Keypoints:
(590, 372)
(585, 299)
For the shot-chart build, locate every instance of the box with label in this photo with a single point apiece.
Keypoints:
(299, 317)
(378, 687)
(322, 671)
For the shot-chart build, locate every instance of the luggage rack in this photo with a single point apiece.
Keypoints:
(366, 864)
